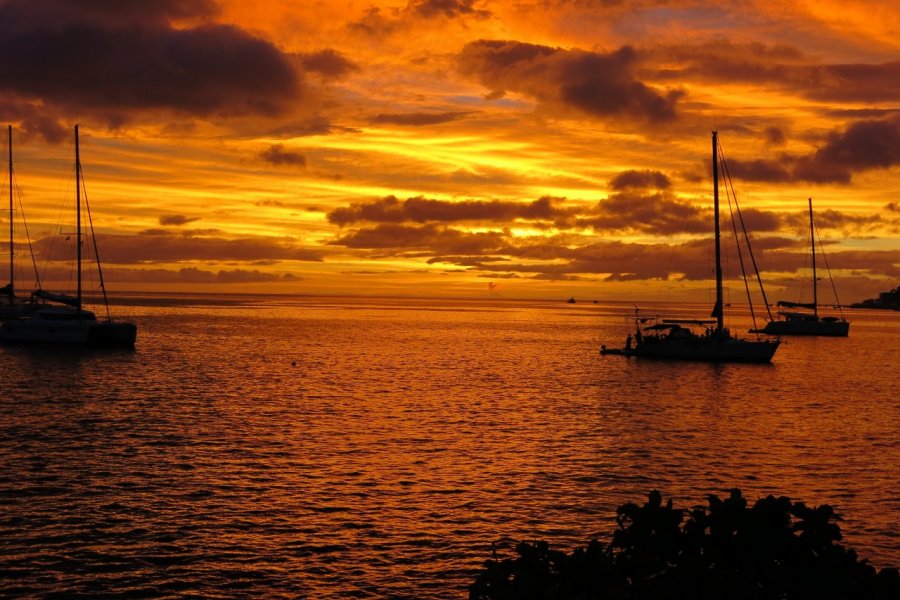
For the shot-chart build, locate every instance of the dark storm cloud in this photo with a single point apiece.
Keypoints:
(34, 121)
(467, 261)
(659, 213)
(328, 63)
(419, 118)
(779, 66)
(836, 220)
(421, 210)
(278, 156)
(566, 257)
(111, 58)
(501, 254)
(176, 219)
(433, 238)
(856, 82)
(862, 146)
(640, 180)
(771, 170)
(163, 247)
(885, 263)
(757, 220)
(597, 84)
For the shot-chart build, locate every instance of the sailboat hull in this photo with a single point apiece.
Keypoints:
(62, 326)
(707, 350)
(15, 311)
(38, 331)
(113, 335)
(808, 326)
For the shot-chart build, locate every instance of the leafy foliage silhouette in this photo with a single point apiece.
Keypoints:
(776, 549)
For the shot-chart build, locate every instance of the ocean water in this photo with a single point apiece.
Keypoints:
(348, 448)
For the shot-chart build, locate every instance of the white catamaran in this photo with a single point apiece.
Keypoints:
(674, 340)
(61, 319)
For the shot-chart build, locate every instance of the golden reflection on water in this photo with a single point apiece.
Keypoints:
(343, 447)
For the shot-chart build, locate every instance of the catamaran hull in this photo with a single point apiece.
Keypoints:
(113, 335)
(85, 333)
(9, 312)
(708, 350)
(808, 327)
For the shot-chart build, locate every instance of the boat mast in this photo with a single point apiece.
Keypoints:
(718, 310)
(812, 243)
(78, 218)
(11, 243)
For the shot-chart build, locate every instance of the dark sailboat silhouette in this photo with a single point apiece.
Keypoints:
(797, 322)
(673, 339)
(11, 306)
(60, 318)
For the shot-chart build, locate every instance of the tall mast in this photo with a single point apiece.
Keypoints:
(78, 218)
(11, 243)
(718, 310)
(812, 243)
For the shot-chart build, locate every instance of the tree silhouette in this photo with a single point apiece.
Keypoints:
(776, 549)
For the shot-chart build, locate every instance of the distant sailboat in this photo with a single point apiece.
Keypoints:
(61, 319)
(794, 322)
(673, 339)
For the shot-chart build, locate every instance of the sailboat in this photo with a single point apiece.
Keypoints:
(674, 339)
(796, 322)
(12, 307)
(62, 319)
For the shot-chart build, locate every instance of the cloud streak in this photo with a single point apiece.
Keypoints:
(422, 210)
(159, 246)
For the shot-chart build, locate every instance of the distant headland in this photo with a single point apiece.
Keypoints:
(885, 300)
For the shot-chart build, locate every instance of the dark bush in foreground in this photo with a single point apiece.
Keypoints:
(776, 549)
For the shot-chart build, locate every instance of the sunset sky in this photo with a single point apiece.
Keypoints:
(521, 148)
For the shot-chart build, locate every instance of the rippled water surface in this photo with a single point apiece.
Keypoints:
(345, 447)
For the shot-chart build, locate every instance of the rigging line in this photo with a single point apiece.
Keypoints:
(57, 227)
(37, 275)
(737, 243)
(746, 236)
(87, 206)
(827, 268)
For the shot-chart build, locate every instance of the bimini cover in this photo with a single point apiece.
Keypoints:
(61, 298)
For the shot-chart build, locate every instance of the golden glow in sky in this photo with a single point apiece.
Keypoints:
(454, 147)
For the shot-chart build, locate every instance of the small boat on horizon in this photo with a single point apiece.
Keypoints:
(796, 322)
(673, 339)
(61, 319)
